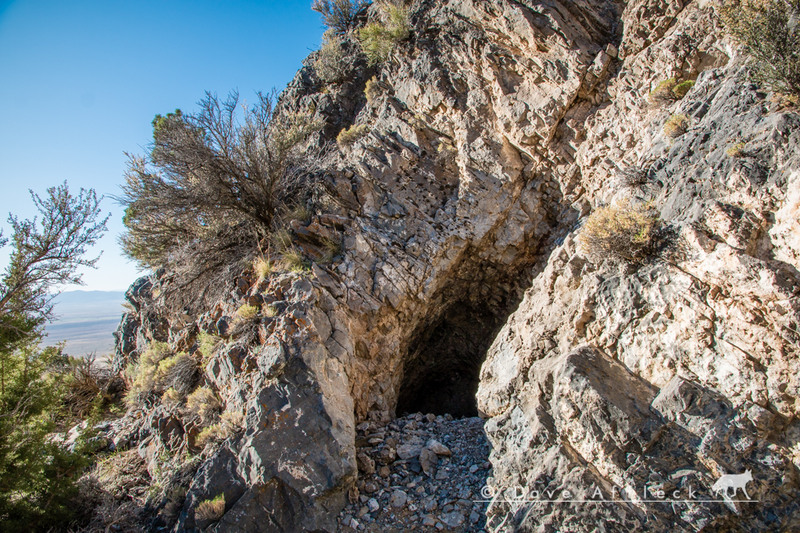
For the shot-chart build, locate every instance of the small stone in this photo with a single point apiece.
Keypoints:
(473, 469)
(384, 471)
(370, 487)
(428, 521)
(428, 460)
(439, 526)
(430, 417)
(453, 519)
(438, 448)
(373, 505)
(398, 499)
(361, 512)
(474, 517)
(408, 451)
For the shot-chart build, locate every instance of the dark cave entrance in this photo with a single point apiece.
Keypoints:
(442, 370)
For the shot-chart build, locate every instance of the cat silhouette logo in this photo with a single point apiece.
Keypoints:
(733, 481)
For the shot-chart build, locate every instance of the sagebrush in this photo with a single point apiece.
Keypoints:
(211, 188)
(770, 33)
(339, 15)
(330, 64)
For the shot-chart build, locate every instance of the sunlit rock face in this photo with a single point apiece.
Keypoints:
(499, 126)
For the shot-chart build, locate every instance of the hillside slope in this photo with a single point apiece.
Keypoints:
(496, 129)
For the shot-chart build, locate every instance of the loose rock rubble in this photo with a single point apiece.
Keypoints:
(419, 473)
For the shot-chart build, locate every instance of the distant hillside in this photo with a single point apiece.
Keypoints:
(86, 320)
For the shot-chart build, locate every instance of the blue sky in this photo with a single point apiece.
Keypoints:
(81, 80)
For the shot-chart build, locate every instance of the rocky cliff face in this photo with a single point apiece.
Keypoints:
(499, 126)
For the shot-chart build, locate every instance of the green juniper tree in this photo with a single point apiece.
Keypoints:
(36, 475)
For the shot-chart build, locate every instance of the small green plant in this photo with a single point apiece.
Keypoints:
(670, 90)
(663, 94)
(210, 510)
(247, 312)
(621, 233)
(350, 135)
(683, 88)
(378, 39)
(206, 344)
(770, 33)
(270, 311)
(736, 150)
(675, 126)
(372, 90)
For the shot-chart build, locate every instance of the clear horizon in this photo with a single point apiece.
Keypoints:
(84, 79)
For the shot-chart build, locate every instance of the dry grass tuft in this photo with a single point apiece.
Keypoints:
(211, 510)
(621, 233)
(675, 126)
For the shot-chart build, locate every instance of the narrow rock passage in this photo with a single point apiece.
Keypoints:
(420, 473)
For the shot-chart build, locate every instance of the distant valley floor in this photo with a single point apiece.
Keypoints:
(86, 320)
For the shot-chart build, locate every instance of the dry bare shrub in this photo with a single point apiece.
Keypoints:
(633, 176)
(113, 492)
(89, 385)
(179, 372)
(620, 233)
(210, 189)
(339, 15)
(157, 371)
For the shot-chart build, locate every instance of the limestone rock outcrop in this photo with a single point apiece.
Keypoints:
(498, 127)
